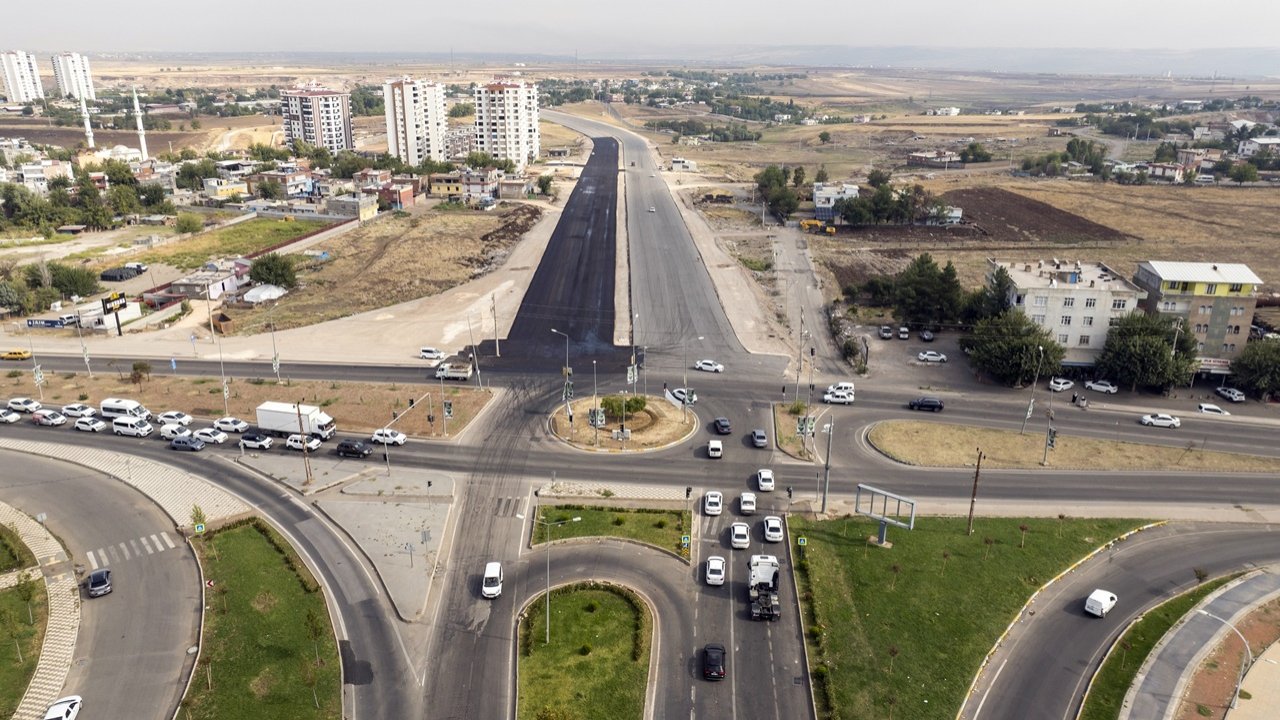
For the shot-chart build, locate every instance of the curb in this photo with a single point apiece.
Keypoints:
(804, 646)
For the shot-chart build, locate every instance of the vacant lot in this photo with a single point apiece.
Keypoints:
(660, 528)
(238, 240)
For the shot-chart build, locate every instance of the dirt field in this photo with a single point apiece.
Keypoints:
(1214, 682)
(395, 259)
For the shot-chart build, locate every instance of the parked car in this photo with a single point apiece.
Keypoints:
(715, 570)
(740, 536)
(886, 332)
(173, 430)
(354, 448)
(1211, 409)
(838, 398)
(67, 708)
(186, 442)
(430, 353)
(1160, 420)
(302, 442)
(231, 424)
(747, 503)
(256, 441)
(79, 410)
(931, 356)
(926, 403)
(174, 417)
(722, 426)
(24, 405)
(773, 529)
(89, 424)
(1102, 386)
(713, 503)
(9, 416)
(759, 438)
(48, 417)
(926, 335)
(210, 435)
(904, 333)
(708, 366)
(1231, 394)
(1060, 384)
(764, 480)
(99, 582)
(713, 662)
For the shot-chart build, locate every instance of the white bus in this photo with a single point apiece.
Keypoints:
(117, 407)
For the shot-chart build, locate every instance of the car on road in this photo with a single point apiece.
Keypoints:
(99, 582)
(904, 333)
(713, 660)
(231, 424)
(886, 332)
(1060, 384)
(24, 405)
(78, 410)
(89, 424)
(837, 398)
(1211, 409)
(713, 503)
(430, 353)
(747, 503)
(1100, 602)
(1102, 386)
(759, 438)
(1231, 394)
(926, 403)
(491, 583)
(388, 436)
(841, 387)
(773, 529)
(764, 480)
(1160, 420)
(210, 435)
(715, 449)
(740, 536)
(708, 366)
(931, 356)
(173, 430)
(653, 209)
(723, 426)
(9, 416)
(256, 441)
(17, 355)
(685, 396)
(354, 448)
(190, 443)
(302, 442)
(926, 335)
(715, 570)
(174, 417)
(48, 418)
(67, 708)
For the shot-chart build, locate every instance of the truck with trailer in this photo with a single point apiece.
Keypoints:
(283, 419)
(762, 587)
(454, 371)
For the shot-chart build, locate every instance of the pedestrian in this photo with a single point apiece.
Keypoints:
(1074, 398)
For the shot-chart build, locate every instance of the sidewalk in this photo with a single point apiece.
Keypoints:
(1263, 683)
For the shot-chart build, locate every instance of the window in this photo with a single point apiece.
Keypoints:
(1168, 306)
(1087, 321)
(1090, 302)
(1041, 300)
(1065, 320)
(1235, 329)
(1068, 302)
(1063, 339)
(1236, 287)
(1231, 347)
(1119, 304)
(1211, 289)
(1084, 340)
(1037, 319)
(1199, 347)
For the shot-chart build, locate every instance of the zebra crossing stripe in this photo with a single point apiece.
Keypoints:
(93, 562)
(134, 544)
(167, 541)
(146, 545)
(125, 551)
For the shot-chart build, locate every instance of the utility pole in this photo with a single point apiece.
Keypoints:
(497, 349)
(306, 456)
(973, 499)
(826, 470)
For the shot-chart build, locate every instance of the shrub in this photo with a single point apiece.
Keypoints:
(189, 223)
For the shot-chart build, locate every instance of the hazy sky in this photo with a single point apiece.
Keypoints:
(645, 28)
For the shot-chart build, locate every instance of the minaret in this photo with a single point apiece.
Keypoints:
(88, 130)
(142, 135)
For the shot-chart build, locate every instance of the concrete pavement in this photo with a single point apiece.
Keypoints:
(1263, 683)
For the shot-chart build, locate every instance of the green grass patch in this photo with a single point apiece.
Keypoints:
(597, 663)
(23, 634)
(259, 658)
(1117, 674)
(13, 553)
(908, 627)
(661, 528)
(755, 264)
(240, 239)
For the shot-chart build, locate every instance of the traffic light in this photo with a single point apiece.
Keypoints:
(688, 493)
(1053, 437)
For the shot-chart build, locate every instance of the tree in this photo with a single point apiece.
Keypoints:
(197, 515)
(824, 137)
(124, 199)
(924, 294)
(797, 177)
(1256, 369)
(195, 125)
(1008, 347)
(144, 367)
(992, 299)
(1140, 351)
(462, 109)
(12, 295)
(1244, 172)
(877, 178)
(1023, 529)
(821, 175)
(270, 189)
(274, 269)
(189, 223)
(544, 184)
(975, 153)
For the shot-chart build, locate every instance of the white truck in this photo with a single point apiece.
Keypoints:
(762, 587)
(454, 371)
(281, 418)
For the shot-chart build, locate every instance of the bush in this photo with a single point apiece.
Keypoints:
(274, 269)
(189, 223)
(613, 405)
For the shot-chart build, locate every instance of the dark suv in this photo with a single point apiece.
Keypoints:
(99, 583)
(926, 403)
(354, 448)
(713, 662)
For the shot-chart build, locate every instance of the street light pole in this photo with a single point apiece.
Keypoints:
(1248, 654)
(567, 372)
(1032, 402)
(547, 596)
(826, 470)
(595, 403)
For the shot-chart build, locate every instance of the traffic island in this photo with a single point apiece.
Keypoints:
(651, 423)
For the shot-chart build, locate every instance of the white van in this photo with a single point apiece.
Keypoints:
(491, 586)
(131, 426)
(69, 320)
(118, 407)
(715, 449)
(1100, 603)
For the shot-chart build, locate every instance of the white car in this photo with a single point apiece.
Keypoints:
(173, 430)
(764, 480)
(773, 529)
(708, 366)
(931, 356)
(1060, 384)
(715, 570)
(387, 436)
(740, 536)
(1102, 386)
(1211, 409)
(430, 353)
(300, 442)
(78, 410)
(653, 209)
(256, 441)
(838, 398)
(68, 708)
(715, 449)
(713, 503)
(24, 405)
(213, 436)
(1231, 394)
(1099, 603)
(231, 424)
(174, 417)
(9, 416)
(841, 387)
(1160, 420)
(89, 424)
(747, 503)
(48, 417)
(685, 396)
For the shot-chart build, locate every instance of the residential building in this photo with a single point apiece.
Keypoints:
(480, 186)
(416, 120)
(35, 175)
(220, 189)
(679, 164)
(825, 196)
(507, 121)
(935, 159)
(317, 116)
(75, 79)
(1253, 146)
(21, 77)
(1215, 302)
(1172, 172)
(371, 176)
(459, 141)
(445, 185)
(360, 206)
(1075, 302)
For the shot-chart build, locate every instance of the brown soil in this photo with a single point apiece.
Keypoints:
(658, 425)
(1006, 217)
(1214, 682)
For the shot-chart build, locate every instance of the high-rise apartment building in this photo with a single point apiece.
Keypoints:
(21, 77)
(507, 121)
(74, 78)
(317, 116)
(416, 120)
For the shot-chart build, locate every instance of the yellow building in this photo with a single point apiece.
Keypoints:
(1215, 301)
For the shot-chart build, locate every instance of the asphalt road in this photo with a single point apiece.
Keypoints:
(131, 653)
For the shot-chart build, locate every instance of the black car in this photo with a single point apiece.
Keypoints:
(354, 448)
(99, 583)
(722, 426)
(926, 403)
(926, 335)
(713, 662)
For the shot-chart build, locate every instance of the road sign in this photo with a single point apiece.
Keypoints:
(226, 391)
(173, 363)
(802, 541)
(113, 302)
(448, 409)
(275, 363)
(684, 541)
(631, 374)
(810, 424)
(1031, 406)
(199, 528)
(799, 426)
(39, 375)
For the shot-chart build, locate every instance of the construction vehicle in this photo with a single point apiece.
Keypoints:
(762, 587)
(817, 226)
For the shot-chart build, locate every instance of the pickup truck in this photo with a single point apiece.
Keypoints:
(454, 371)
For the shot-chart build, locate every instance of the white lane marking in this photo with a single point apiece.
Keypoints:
(134, 544)
(125, 551)
(156, 541)
(93, 563)
(146, 545)
(167, 541)
(990, 685)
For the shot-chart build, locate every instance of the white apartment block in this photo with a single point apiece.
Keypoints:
(507, 121)
(317, 116)
(74, 78)
(1076, 302)
(21, 77)
(416, 120)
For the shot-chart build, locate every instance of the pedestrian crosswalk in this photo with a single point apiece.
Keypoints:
(136, 547)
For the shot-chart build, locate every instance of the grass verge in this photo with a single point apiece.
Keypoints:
(660, 528)
(1117, 674)
(935, 444)
(598, 657)
(13, 553)
(785, 416)
(243, 238)
(25, 633)
(268, 645)
(880, 620)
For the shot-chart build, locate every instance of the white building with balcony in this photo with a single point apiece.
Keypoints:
(72, 73)
(21, 77)
(417, 122)
(507, 121)
(317, 116)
